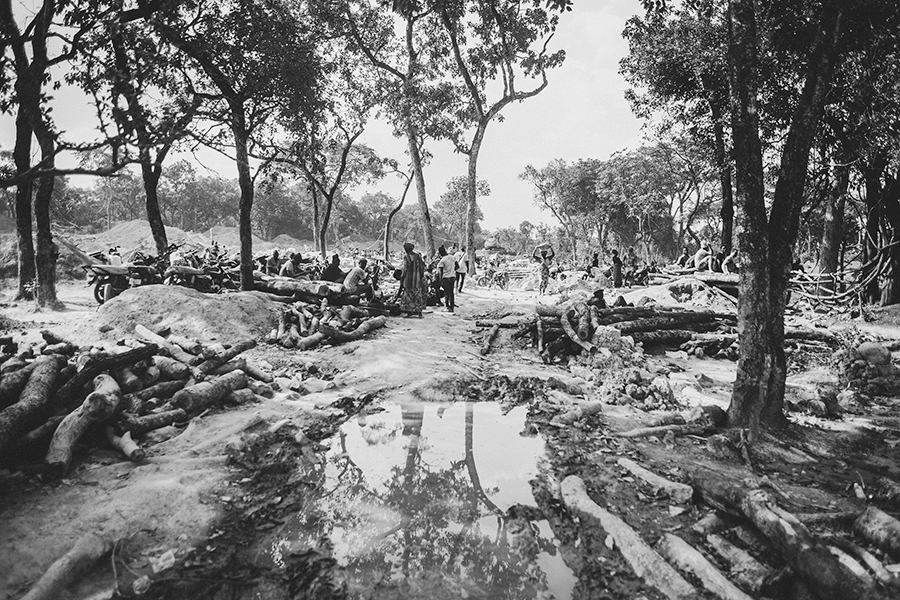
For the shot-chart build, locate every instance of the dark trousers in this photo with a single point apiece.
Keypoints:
(448, 283)
(460, 279)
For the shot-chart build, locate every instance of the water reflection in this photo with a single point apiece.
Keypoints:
(429, 501)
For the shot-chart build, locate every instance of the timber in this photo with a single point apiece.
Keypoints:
(644, 561)
(125, 445)
(139, 425)
(881, 529)
(887, 494)
(289, 287)
(337, 336)
(746, 570)
(687, 429)
(212, 364)
(687, 558)
(820, 569)
(97, 407)
(171, 349)
(53, 583)
(678, 492)
(170, 368)
(486, 345)
(71, 391)
(573, 335)
(663, 337)
(12, 384)
(33, 405)
(203, 395)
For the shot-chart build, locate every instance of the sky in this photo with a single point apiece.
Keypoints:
(581, 114)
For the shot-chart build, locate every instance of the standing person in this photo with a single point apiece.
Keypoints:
(617, 269)
(447, 270)
(462, 267)
(544, 255)
(412, 282)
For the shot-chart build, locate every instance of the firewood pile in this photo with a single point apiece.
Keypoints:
(56, 396)
(304, 325)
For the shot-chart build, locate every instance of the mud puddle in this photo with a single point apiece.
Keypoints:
(423, 500)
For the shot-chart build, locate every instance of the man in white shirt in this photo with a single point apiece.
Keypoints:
(462, 267)
(357, 281)
(446, 268)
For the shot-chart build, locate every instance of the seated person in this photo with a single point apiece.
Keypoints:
(273, 263)
(357, 281)
(333, 271)
(702, 257)
(289, 268)
(685, 258)
(730, 264)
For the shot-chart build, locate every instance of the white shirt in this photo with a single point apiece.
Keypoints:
(448, 267)
(462, 259)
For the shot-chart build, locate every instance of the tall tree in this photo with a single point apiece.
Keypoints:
(491, 40)
(258, 62)
(453, 206)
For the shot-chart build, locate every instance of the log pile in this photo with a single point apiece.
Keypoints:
(304, 325)
(56, 397)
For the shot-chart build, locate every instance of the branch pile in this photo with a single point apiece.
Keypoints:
(304, 325)
(56, 396)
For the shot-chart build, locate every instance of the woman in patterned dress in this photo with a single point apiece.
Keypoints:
(412, 300)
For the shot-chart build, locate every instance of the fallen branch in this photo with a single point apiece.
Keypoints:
(71, 391)
(62, 573)
(203, 395)
(486, 345)
(139, 425)
(678, 492)
(687, 429)
(745, 569)
(33, 404)
(647, 564)
(688, 558)
(212, 364)
(879, 528)
(337, 336)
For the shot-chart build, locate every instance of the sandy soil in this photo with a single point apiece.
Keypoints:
(172, 500)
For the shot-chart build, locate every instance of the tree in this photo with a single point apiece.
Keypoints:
(258, 62)
(452, 208)
(491, 39)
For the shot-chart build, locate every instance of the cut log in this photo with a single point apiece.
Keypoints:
(97, 407)
(170, 368)
(880, 529)
(311, 340)
(139, 425)
(127, 380)
(150, 376)
(687, 558)
(584, 321)
(257, 373)
(38, 435)
(289, 287)
(501, 324)
(644, 561)
(874, 565)
(13, 364)
(261, 388)
(34, 402)
(163, 390)
(573, 335)
(212, 364)
(12, 384)
(53, 583)
(678, 492)
(125, 445)
(336, 336)
(669, 321)
(540, 336)
(242, 396)
(187, 344)
(486, 345)
(64, 348)
(205, 394)
(52, 338)
(688, 429)
(72, 390)
(171, 349)
(670, 337)
(746, 570)
(827, 576)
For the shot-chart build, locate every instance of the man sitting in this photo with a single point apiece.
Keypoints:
(333, 271)
(357, 281)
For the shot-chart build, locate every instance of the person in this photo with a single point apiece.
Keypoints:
(462, 267)
(544, 254)
(702, 257)
(412, 282)
(593, 264)
(730, 264)
(617, 269)
(357, 281)
(447, 271)
(333, 271)
(273, 263)
(631, 266)
(290, 267)
(684, 259)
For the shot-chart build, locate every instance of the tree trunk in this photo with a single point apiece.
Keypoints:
(412, 142)
(471, 189)
(833, 230)
(25, 242)
(323, 226)
(46, 251)
(390, 217)
(151, 175)
(245, 181)
(315, 202)
(717, 102)
(872, 232)
(890, 201)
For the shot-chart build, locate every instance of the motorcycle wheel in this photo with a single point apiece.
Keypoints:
(98, 292)
(108, 292)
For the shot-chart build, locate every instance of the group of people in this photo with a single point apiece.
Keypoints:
(706, 259)
(448, 275)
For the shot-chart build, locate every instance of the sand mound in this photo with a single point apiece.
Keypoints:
(136, 235)
(209, 317)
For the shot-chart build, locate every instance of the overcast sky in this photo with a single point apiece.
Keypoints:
(581, 114)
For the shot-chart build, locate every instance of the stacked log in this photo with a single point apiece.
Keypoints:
(304, 325)
(56, 394)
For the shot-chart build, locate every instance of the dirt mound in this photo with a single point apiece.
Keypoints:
(283, 240)
(208, 317)
(68, 266)
(135, 235)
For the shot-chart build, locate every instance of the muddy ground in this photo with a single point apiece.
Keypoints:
(433, 470)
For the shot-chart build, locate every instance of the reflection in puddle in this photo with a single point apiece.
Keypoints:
(416, 502)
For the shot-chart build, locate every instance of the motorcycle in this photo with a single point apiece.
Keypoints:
(208, 278)
(110, 280)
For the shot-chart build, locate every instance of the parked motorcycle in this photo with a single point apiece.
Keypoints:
(209, 277)
(110, 280)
